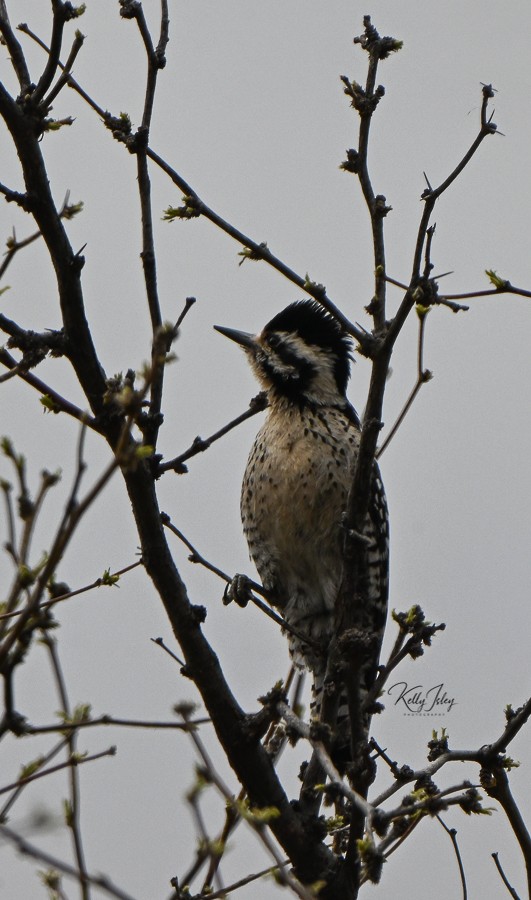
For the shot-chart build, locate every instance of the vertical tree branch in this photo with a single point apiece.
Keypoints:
(496, 784)
(73, 814)
(15, 50)
(155, 61)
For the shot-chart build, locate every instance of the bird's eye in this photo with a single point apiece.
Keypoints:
(272, 340)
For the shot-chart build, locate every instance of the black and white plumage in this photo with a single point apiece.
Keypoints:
(298, 476)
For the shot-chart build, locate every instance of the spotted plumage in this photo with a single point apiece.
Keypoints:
(298, 476)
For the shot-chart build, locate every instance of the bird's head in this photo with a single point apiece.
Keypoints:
(302, 355)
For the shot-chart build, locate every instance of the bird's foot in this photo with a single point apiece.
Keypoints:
(239, 590)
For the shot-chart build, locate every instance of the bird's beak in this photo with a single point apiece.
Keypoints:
(245, 340)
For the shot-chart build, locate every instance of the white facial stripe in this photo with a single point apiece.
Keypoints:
(322, 388)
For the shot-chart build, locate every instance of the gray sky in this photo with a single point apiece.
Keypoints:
(250, 111)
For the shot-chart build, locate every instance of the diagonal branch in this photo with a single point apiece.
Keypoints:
(496, 784)
(258, 250)
(45, 81)
(430, 197)
(15, 50)
(199, 445)
(101, 882)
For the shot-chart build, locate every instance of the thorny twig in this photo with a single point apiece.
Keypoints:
(67, 211)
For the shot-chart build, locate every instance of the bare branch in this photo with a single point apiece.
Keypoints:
(254, 821)
(199, 445)
(196, 557)
(423, 375)
(365, 101)
(452, 834)
(39, 764)
(100, 881)
(115, 721)
(73, 815)
(259, 250)
(66, 69)
(67, 211)
(75, 761)
(242, 882)
(15, 50)
(52, 400)
(45, 81)
(503, 877)
(430, 197)
(304, 730)
(496, 784)
(107, 579)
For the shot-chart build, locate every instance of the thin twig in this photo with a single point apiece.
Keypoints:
(54, 54)
(43, 761)
(73, 817)
(445, 299)
(196, 557)
(430, 197)
(48, 394)
(160, 643)
(507, 288)
(452, 834)
(257, 404)
(13, 245)
(295, 722)
(274, 748)
(47, 482)
(375, 209)
(503, 877)
(117, 722)
(15, 51)
(12, 536)
(98, 881)
(258, 250)
(109, 580)
(498, 787)
(77, 761)
(205, 841)
(74, 511)
(148, 256)
(257, 826)
(63, 78)
(242, 882)
(423, 376)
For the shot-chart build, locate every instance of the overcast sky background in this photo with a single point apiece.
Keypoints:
(250, 111)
